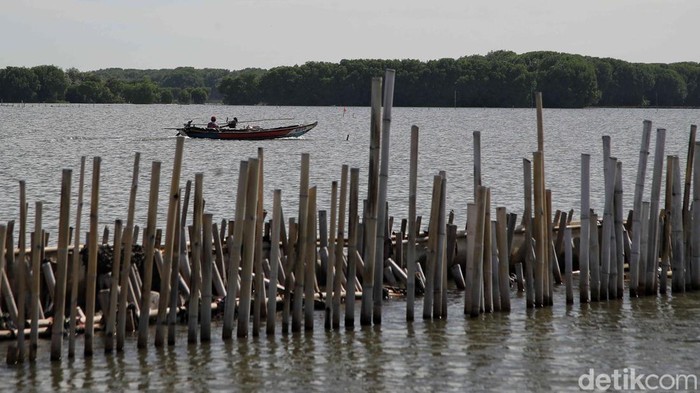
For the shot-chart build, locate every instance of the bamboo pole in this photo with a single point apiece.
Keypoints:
(687, 223)
(91, 277)
(289, 280)
(605, 252)
(470, 265)
(637, 208)
(439, 251)
(274, 261)
(59, 297)
(528, 233)
(503, 258)
(207, 265)
(21, 271)
(617, 288)
(540, 122)
(412, 230)
(371, 226)
(75, 264)
(594, 258)
(652, 250)
(695, 249)
(585, 230)
(234, 253)
(495, 268)
(539, 231)
(184, 260)
(678, 284)
(310, 257)
(643, 247)
(114, 289)
(171, 223)
(196, 282)
(149, 248)
(248, 255)
(5, 286)
(259, 302)
(128, 239)
(487, 279)
(176, 280)
(568, 271)
(480, 228)
(353, 219)
(301, 249)
(340, 238)
(382, 199)
(35, 283)
(430, 281)
(330, 267)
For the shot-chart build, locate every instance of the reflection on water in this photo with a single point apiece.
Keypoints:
(525, 350)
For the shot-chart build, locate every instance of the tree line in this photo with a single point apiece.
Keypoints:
(498, 79)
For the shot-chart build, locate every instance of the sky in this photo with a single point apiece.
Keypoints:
(237, 34)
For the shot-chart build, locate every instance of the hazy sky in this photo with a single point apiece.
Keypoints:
(235, 34)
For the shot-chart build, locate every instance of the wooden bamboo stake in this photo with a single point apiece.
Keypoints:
(110, 325)
(411, 247)
(274, 261)
(430, 260)
(678, 247)
(594, 258)
(352, 249)
(486, 263)
(259, 302)
(476, 288)
(442, 254)
(495, 269)
(371, 228)
(617, 288)
(196, 282)
(176, 280)
(128, 246)
(171, 223)
(21, 272)
(340, 239)
(289, 281)
(207, 265)
(439, 250)
(35, 282)
(149, 248)
(585, 230)
(528, 233)
(470, 266)
(568, 271)
(310, 257)
(91, 277)
(539, 231)
(381, 200)
(503, 258)
(330, 267)
(695, 249)
(234, 253)
(687, 223)
(652, 250)
(59, 297)
(637, 208)
(248, 255)
(605, 252)
(540, 122)
(302, 255)
(75, 264)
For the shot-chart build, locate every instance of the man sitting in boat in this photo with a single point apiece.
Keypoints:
(212, 123)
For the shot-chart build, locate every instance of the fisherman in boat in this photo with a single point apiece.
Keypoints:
(212, 123)
(232, 123)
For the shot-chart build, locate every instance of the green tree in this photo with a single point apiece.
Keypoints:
(240, 89)
(199, 95)
(52, 83)
(18, 84)
(89, 92)
(184, 97)
(166, 96)
(144, 92)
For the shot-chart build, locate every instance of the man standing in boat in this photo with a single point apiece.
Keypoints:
(212, 123)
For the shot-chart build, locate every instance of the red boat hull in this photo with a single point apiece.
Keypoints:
(247, 134)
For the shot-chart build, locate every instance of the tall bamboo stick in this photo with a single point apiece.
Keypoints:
(330, 268)
(207, 267)
(196, 245)
(22, 271)
(176, 280)
(61, 266)
(594, 258)
(248, 255)
(430, 260)
(652, 250)
(470, 267)
(568, 255)
(539, 232)
(695, 249)
(371, 228)
(91, 277)
(617, 288)
(353, 219)
(114, 289)
(75, 264)
(274, 260)
(411, 247)
(477, 284)
(605, 252)
(259, 302)
(149, 247)
(528, 233)
(302, 255)
(687, 223)
(340, 239)
(637, 209)
(128, 244)
(678, 247)
(585, 230)
(234, 253)
(310, 268)
(164, 299)
(381, 200)
(35, 303)
(503, 259)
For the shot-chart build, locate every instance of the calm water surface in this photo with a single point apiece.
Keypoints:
(540, 350)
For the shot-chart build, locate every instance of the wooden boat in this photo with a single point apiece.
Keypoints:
(248, 133)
